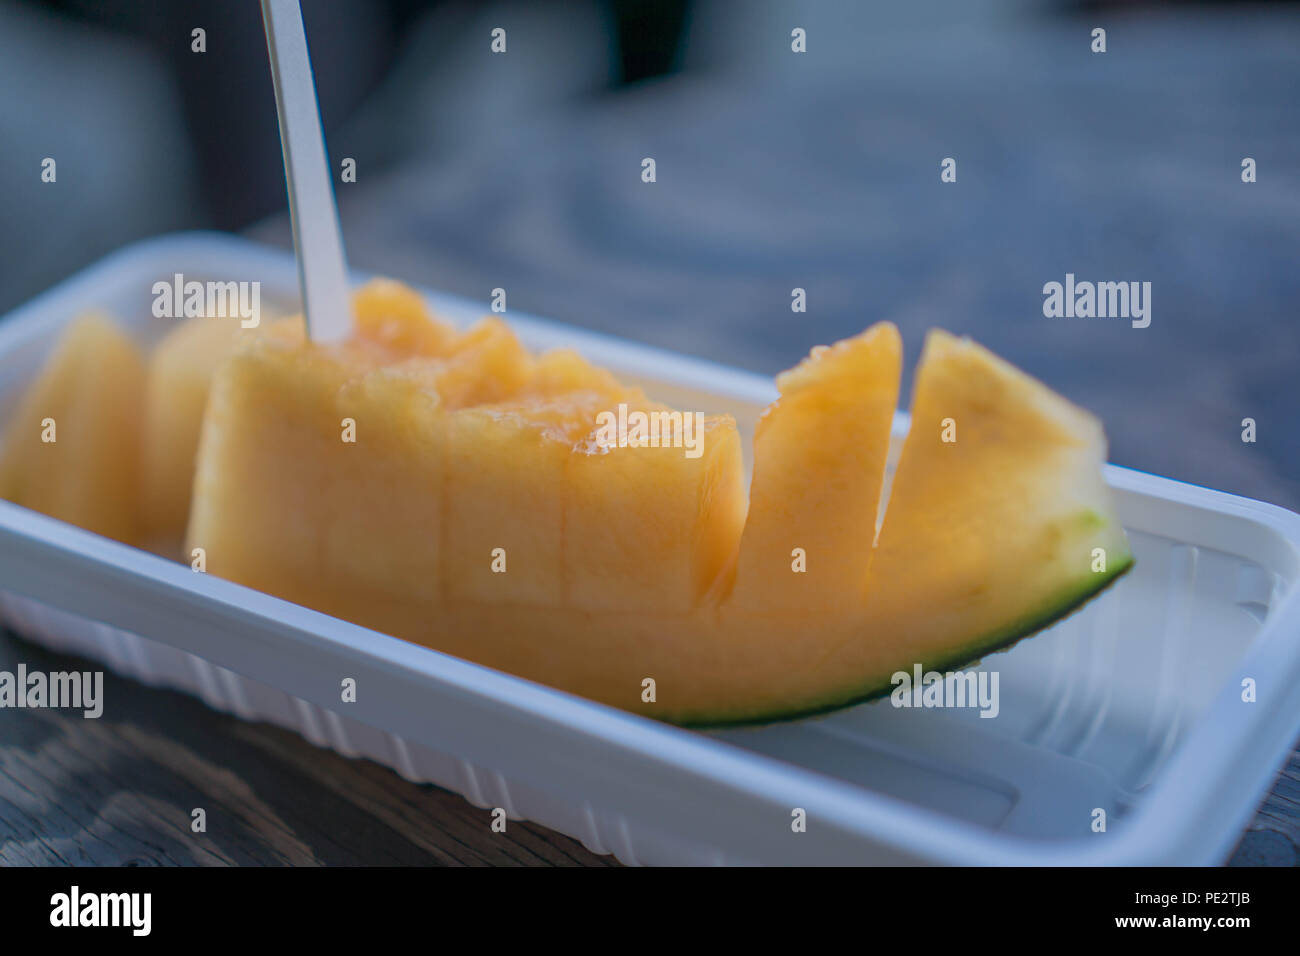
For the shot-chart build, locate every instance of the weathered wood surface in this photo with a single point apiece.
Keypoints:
(120, 790)
(1122, 167)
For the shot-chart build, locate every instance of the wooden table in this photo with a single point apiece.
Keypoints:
(1126, 167)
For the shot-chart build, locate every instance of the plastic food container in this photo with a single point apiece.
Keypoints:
(1134, 705)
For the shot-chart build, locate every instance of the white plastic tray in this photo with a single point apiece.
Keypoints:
(1133, 705)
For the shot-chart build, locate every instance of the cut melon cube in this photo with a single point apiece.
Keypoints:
(89, 399)
(651, 528)
(179, 377)
(285, 504)
(361, 534)
(819, 463)
(506, 473)
(391, 323)
(507, 479)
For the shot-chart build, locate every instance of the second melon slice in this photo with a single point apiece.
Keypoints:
(999, 520)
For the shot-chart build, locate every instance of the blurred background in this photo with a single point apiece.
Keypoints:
(775, 170)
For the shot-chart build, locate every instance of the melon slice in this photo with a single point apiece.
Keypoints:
(349, 524)
(89, 400)
(347, 520)
(998, 522)
(392, 322)
(819, 464)
(638, 576)
(999, 497)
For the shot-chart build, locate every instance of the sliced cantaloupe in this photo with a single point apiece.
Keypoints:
(484, 515)
(348, 522)
(392, 323)
(819, 464)
(506, 477)
(650, 528)
(356, 523)
(504, 493)
(997, 523)
(999, 496)
(561, 371)
(377, 480)
(72, 448)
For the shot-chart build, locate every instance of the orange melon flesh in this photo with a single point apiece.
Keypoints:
(180, 371)
(636, 576)
(506, 477)
(819, 464)
(492, 472)
(989, 535)
(1029, 495)
(396, 316)
(619, 562)
(504, 493)
(350, 528)
(392, 321)
(92, 390)
(649, 529)
(529, 489)
(347, 527)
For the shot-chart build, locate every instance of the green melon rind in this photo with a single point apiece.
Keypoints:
(1071, 599)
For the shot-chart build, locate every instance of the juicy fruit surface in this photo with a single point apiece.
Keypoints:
(650, 529)
(476, 515)
(471, 479)
(819, 464)
(997, 473)
(282, 503)
(179, 377)
(449, 488)
(92, 392)
(998, 522)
